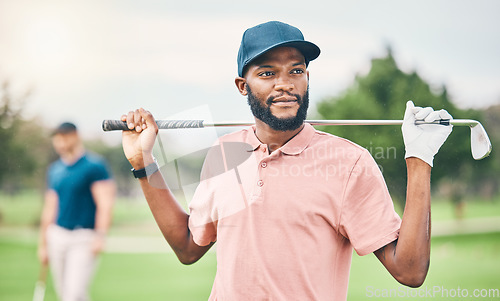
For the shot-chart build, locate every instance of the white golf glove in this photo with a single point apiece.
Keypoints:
(423, 141)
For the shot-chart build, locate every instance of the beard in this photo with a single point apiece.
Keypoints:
(264, 113)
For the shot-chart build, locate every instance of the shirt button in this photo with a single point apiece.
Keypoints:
(260, 183)
(264, 149)
(263, 164)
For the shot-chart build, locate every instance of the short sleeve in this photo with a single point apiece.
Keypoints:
(220, 193)
(368, 218)
(100, 171)
(202, 208)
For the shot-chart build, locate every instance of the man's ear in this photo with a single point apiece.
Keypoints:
(241, 85)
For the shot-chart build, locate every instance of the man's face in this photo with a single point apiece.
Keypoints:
(277, 88)
(65, 144)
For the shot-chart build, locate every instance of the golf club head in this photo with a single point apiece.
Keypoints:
(480, 144)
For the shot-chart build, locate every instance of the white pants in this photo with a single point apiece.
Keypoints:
(72, 261)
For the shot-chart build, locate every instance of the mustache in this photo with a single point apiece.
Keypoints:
(270, 100)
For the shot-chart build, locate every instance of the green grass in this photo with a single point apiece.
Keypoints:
(153, 277)
(21, 209)
(19, 270)
(468, 262)
(119, 277)
(465, 261)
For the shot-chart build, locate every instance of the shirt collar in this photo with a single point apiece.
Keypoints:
(294, 146)
(252, 139)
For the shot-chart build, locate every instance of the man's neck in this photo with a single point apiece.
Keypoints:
(274, 139)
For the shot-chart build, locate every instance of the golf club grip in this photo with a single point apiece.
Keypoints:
(439, 121)
(118, 125)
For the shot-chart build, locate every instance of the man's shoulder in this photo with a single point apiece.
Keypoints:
(57, 164)
(92, 158)
(238, 136)
(336, 141)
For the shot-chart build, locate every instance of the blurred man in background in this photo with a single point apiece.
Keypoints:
(76, 214)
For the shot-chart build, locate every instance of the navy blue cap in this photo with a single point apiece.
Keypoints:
(65, 128)
(264, 37)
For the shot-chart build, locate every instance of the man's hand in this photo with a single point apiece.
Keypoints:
(98, 244)
(171, 218)
(138, 143)
(423, 141)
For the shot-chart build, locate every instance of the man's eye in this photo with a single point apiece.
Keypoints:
(266, 73)
(297, 71)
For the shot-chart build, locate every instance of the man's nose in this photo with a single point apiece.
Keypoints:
(283, 83)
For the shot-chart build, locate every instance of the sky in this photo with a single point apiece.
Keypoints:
(92, 60)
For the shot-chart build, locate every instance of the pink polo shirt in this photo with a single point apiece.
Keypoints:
(286, 222)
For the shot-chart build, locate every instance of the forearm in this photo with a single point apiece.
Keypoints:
(413, 249)
(407, 259)
(42, 238)
(104, 193)
(47, 218)
(171, 218)
(103, 220)
(48, 215)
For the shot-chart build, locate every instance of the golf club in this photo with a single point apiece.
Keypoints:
(480, 142)
(39, 293)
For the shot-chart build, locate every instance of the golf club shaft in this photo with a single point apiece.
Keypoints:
(118, 125)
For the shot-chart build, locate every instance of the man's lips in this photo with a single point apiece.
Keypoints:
(284, 100)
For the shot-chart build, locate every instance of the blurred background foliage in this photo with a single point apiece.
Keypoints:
(382, 94)
(25, 145)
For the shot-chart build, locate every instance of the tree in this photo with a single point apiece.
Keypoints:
(382, 94)
(20, 139)
(489, 177)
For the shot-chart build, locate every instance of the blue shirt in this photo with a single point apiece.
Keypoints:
(76, 206)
